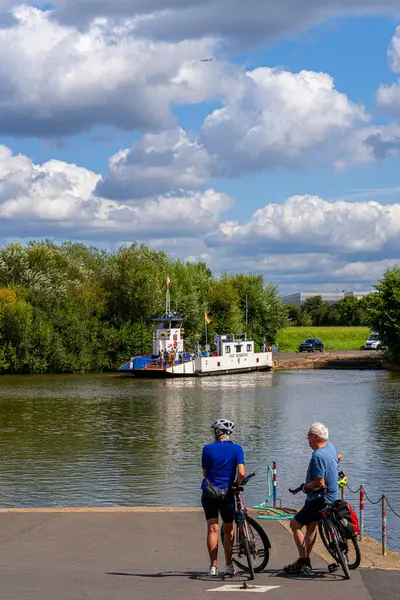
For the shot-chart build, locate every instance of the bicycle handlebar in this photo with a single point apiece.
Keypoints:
(246, 479)
(318, 490)
(239, 488)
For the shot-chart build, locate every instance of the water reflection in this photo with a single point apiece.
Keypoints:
(103, 440)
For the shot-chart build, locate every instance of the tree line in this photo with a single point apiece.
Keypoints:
(379, 310)
(73, 307)
(349, 311)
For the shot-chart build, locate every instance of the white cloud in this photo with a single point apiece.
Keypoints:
(156, 164)
(250, 23)
(278, 118)
(305, 240)
(58, 199)
(370, 271)
(388, 96)
(270, 119)
(309, 224)
(394, 52)
(55, 80)
(369, 144)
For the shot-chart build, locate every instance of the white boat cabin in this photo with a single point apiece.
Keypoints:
(168, 335)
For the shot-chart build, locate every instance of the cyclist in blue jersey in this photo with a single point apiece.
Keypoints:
(322, 471)
(223, 465)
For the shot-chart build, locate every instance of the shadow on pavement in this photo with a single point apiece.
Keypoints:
(316, 574)
(188, 574)
(240, 576)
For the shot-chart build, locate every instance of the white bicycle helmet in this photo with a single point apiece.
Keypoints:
(223, 425)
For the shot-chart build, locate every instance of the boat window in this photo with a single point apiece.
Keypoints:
(238, 348)
(248, 347)
(227, 349)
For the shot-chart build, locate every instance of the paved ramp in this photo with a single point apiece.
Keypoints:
(149, 556)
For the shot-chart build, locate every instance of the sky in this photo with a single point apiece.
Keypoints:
(256, 136)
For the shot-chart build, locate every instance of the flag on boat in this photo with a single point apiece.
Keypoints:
(207, 318)
(168, 281)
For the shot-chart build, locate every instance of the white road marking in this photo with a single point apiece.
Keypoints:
(260, 589)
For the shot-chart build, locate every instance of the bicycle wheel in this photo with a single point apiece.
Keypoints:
(324, 535)
(340, 558)
(352, 554)
(351, 548)
(244, 543)
(259, 546)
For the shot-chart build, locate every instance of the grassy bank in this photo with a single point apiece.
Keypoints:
(334, 338)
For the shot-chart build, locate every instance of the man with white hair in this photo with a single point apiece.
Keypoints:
(322, 471)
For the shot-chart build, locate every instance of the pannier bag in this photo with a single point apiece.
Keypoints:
(346, 519)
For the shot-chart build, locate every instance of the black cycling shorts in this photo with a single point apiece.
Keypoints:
(224, 507)
(310, 513)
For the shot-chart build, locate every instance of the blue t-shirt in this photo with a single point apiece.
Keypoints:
(324, 463)
(220, 459)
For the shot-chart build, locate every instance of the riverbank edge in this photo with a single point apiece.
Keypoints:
(371, 551)
(370, 548)
(332, 361)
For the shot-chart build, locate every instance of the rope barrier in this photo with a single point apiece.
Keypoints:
(392, 509)
(384, 503)
(352, 491)
(280, 514)
(371, 501)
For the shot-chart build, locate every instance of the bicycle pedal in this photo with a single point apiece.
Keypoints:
(333, 567)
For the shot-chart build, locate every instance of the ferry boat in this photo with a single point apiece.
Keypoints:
(233, 354)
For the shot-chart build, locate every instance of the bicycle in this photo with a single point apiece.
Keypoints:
(334, 539)
(346, 546)
(250, 539)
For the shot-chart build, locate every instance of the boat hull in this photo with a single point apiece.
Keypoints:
(168, 374)
(210, 366)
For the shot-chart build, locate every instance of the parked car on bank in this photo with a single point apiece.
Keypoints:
(373, 342)
(311, 345)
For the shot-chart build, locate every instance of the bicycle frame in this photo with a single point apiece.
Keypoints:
(240, 517)
(338, 546)
(334, 532)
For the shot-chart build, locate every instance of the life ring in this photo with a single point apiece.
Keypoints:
(175, 344)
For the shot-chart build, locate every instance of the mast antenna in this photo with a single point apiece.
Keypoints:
(168, 299)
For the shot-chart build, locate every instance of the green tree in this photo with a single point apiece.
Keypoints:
(384, 312)
(294, 315)
(350, 311)
(15, 329)
(313, 307)
(73, 307)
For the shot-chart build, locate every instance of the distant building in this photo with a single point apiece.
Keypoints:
(358, 295)
(327, 297)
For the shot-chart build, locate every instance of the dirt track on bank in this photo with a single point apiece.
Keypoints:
(329, 360)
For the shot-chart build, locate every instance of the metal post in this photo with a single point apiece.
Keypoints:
(342, 493)
(141, 335)
(384, 525)
(274, 483)
(361, 513)
(247, 308)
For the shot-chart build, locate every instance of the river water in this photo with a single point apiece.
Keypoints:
(100, 440)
